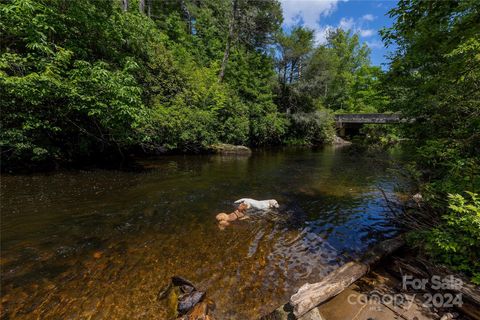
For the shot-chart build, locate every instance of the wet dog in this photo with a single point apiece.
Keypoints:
(224, 219)
(258, 204)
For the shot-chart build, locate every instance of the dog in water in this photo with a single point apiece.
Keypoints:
(224, 219)
(258, 204)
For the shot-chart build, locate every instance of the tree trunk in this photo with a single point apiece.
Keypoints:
(124, 5)
(292, 68)
(299, 70)
(285, 67)
(188, 16)
(141, 6)
(231, 31)
(149, 8)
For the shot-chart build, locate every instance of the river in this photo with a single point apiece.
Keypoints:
(100, 244)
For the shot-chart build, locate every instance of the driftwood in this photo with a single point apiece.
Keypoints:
(423, 269)
(311, 295)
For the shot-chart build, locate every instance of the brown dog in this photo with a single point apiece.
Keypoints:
(224, 219)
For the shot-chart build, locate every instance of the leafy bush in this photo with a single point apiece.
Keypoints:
(312, 128)
(378, 135)
(267, 125)
(184, 129)
(456, 241)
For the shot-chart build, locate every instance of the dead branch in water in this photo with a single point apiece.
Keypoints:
(413, 218)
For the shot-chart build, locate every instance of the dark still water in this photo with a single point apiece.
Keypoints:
(101, 244)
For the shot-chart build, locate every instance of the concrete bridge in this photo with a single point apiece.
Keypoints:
(350, 123)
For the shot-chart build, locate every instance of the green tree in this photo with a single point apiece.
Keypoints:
(89, 79)
(434, 80)
(349, 67)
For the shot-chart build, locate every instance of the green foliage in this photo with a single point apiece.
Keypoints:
(350, 68)
(312, 128)
(338, 75)
(267, 125)
(82, 79)
(89, 79)
(456, 241)
(184, 129)
(380, 135)
(434, 80)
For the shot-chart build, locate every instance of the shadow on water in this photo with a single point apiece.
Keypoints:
(102, 243)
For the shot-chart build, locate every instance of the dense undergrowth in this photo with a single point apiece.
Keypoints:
(434, 81)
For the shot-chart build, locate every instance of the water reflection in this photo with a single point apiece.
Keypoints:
(102, 243)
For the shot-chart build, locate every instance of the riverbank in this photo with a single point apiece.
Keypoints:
(389, 291)
(133, 159)
(400, 287)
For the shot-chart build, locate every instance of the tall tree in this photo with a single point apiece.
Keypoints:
(350, 57)
(230, 38)
(251, 23)
(434, 78)
(293, 50)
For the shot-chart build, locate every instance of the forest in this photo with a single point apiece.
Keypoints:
(88, 80)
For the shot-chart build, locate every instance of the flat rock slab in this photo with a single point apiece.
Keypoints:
(313, 314)
(340, 308)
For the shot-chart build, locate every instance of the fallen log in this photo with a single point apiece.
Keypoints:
(383, 249)
(467, 289)
(423, 269)
(311, 295)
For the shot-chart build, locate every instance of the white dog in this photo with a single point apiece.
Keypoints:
(259, 205)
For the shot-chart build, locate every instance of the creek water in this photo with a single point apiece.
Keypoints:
(100, 244)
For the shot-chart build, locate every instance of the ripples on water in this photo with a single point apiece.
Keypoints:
(101, 244)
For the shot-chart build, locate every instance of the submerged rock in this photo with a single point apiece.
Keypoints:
(201, 311)
(224, 148)
(185, 301)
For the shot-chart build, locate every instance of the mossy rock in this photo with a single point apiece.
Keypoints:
(224, 148)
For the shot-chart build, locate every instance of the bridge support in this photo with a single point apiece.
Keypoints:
(348, 129)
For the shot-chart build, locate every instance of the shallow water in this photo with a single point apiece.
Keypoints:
(101, 244)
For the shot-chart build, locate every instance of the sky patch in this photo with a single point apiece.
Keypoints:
(366, 18)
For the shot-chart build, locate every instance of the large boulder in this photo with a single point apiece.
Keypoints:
(224, 148)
